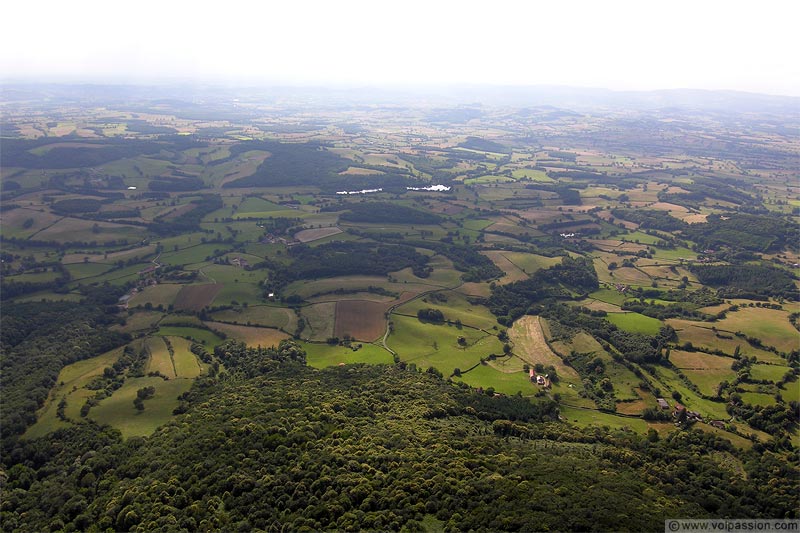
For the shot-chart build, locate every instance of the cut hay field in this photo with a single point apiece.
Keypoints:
(324, 355)
(310, 235)
(360, 319)
(139, 321)
(704, 370)
(530, 345)
(186, 363)
(261, 315)
(308, 288)
(161, 294)
(512, 272)
(196, 297)
(252, 336)
(319, 319)
(109, 258)
(160, 360)
(77, 230)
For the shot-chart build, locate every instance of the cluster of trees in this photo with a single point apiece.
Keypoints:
(431, 315)
(484, 145)
(348, 258)
(651, 219)
(513, 300)
(190, 220)
(741, 231)
(311, 163)
(743, 281)
(17, 152)
(78, 205)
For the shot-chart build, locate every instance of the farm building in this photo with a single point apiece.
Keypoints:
(662, 403)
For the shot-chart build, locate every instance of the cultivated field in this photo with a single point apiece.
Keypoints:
(530, 346)
(252, 336)
(360, 319)
(310, 235)
(196, 297)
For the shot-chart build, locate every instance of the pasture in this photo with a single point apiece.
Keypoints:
(704, 370)
(454, 306)
(772, 373)
(770, 325)
(118, 410)
(701, 335)
(309, 235)
(202, 336)
(70, 386)
(437, 345)
(504, 382)
(323, 355)
(160, 359)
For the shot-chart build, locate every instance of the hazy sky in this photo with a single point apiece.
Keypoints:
(629, 44)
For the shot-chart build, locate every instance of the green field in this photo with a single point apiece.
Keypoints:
(772, 373)
(507, 383)
(635, 323)
(160, 359)
(118, 410)
(456, 307)
(186, 363)
(437, 345)
(589, 417)
(324, 355)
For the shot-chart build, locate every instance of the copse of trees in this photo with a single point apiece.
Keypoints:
(511, 301)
